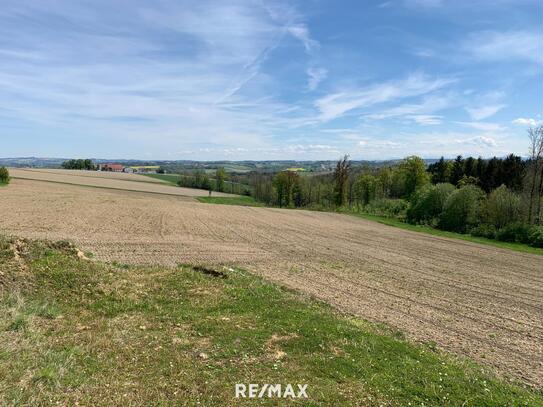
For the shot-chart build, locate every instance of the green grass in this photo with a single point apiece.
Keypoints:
(99, 334)
(238, 200)
(175, 178)
(519, 247)
(170, 178)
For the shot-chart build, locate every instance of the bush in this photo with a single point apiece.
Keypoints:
(462, 209)
(484, 230)
(536, 237)
(515, 232)
(387, 207)
(427, 203)
(502, 207)
(4, 175)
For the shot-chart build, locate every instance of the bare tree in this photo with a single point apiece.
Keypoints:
(536, 156)
(341, 177)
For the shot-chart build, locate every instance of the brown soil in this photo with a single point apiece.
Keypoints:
(474, 300)
(112, 180)
(93, 174)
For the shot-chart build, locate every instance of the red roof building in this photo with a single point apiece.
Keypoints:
(111, 167)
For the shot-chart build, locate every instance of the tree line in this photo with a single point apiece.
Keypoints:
(202, 180)
(496, 198)
(78, 164)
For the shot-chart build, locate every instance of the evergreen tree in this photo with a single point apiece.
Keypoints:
(457, 170)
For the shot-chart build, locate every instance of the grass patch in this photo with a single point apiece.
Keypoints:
(238, 200)
(519, 247)
(102, 334)
(170, 178)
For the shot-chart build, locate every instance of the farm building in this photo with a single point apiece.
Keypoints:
(111, 167)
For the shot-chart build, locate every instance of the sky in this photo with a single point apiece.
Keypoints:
(269, 80)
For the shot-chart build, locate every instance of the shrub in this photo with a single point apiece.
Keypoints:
(387, 207)
(4, 175)
(484, 230)
(427, 203)
(515, 232)
(462, 209)
(536, 237)
(502, 207)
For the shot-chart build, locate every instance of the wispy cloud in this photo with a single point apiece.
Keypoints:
(252, 79)
(301, 32)
(337, 104)
(506, 46)
(426, 119)
(315, 77)
(484, 112)
(421, 113)
(486, 105)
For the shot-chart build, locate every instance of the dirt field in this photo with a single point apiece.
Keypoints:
(479, 301)
(113, 180)
(93, 174)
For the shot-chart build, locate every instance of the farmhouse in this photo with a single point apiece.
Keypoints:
(111, 167)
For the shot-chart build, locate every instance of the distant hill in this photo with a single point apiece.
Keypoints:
(188, 165)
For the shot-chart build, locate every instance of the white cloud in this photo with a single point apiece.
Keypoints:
(426, 120)
(483, 112)
(301, 32)
(486, 141)
(496, 46)
(336, 105)
(315, 77)
(521, 121)
(187, 75)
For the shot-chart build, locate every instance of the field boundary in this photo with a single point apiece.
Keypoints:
(518, 247)
(161, 182)
(192, 198)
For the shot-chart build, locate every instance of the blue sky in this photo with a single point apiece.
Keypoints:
(206, 80)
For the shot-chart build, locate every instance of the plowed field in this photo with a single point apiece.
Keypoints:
(474, 300)
(111, 180)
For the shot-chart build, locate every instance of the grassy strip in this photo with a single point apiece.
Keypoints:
(95, 334)
(239, 200)
(519, 247)
(175, 178)
(169, 178)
